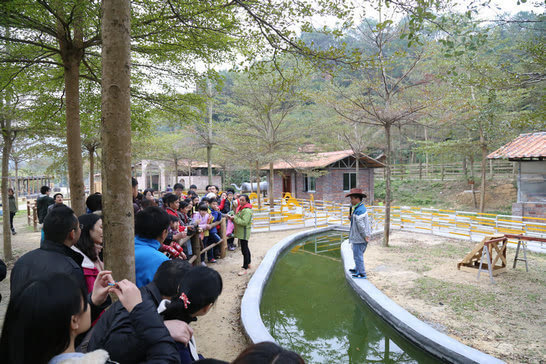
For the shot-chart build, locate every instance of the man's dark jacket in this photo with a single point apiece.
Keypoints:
(42, 203)
(51, 258)
(116, 333)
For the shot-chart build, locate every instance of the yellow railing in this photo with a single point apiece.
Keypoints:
(292, 212)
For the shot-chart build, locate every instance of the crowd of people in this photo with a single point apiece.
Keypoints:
(60, 309)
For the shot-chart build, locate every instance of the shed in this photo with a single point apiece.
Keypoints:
(328, 175)
(529, 152)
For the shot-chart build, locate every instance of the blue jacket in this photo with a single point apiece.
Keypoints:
(147, 259)
(217, 217)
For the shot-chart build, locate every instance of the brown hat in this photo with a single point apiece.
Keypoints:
(356, 192)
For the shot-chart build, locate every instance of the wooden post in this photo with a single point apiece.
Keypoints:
(196, 248)
(223, 245)
(28, 212)
(35, 217)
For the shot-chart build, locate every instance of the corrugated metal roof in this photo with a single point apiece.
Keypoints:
(321, 160)
(530, 145)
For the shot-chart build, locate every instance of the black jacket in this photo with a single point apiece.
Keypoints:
(42, 203)
(136, 337)
(51, 258)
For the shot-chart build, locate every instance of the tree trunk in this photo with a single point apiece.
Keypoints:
(270, 187)
(426, 153)
(258, 185)
(209, 165)
(175, 170)
(483, 147)
(387, 224)
(92, 171)
(117, 204)
(209, 141)
(71, 51)
(465, 169)
(73, 137)
(357, 170)
(16, 166)
(471, 159)
(6, 149)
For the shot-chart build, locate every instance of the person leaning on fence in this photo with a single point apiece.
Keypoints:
(359, 235)
(243, 223)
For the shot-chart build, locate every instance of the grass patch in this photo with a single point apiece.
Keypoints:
(464, 300)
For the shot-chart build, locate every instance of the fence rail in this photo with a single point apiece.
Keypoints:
(498, 168)
(297, 213)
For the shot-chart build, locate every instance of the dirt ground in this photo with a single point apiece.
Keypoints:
(418, 271)
(506, 319)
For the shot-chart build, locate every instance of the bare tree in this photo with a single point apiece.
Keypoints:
(386, 93)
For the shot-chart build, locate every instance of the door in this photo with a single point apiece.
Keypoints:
(286, 184)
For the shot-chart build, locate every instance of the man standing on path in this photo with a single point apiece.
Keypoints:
(359, 235)
(43, 202)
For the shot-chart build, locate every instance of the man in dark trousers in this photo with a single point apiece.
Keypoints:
(359, 235)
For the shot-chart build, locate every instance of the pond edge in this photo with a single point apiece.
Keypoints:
(409, 326)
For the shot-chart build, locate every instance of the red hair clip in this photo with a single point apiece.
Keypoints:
(185, 299)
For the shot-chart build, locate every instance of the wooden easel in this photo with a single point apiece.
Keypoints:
(485, 255)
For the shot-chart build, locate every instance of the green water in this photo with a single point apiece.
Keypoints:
(309, 308)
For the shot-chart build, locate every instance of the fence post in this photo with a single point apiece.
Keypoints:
(223, 245)
(28, 212)
(35, 217)
(196, 248)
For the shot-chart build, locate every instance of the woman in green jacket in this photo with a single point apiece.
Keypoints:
(243, 223)
(13, 208)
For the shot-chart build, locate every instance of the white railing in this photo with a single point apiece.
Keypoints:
(291, 213)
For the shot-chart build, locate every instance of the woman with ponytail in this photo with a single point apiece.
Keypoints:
(198, 291)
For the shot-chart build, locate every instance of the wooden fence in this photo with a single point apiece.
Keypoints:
(447, 171)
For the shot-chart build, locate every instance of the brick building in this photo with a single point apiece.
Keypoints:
(529, 151)
(328, 176)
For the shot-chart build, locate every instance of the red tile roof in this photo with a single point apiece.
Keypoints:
(322, 160)
(525, 146)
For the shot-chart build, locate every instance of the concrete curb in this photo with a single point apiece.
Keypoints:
(413, 329)
(409, 326)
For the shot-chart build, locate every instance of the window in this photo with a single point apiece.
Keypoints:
(349, 181)
(309, 183)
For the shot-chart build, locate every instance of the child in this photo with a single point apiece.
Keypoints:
(213, 233)
(172, 239)
(203, 219)
(198, 291)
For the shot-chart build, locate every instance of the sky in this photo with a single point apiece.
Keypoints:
(491, 11)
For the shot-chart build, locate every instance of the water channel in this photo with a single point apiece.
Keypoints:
(308, 307)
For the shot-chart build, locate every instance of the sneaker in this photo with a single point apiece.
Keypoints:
(13, 232)
(352, 271)
(359, 275)
(243, 272)
(232, 248)
(203, 264)
(212, 261)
